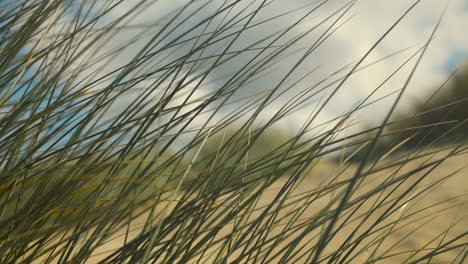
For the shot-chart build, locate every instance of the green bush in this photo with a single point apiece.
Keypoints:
(442, 118)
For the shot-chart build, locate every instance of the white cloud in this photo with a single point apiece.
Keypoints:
(370, 22)
(347, 44)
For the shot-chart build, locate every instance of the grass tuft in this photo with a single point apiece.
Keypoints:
(135, 138)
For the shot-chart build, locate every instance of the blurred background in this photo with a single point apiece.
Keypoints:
(334, 36)
(352, 37)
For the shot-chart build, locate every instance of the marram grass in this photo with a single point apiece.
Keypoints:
(128, 141)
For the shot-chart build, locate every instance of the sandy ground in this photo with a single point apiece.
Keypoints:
(429, 227)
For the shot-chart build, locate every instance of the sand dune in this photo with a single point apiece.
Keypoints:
(429, 226)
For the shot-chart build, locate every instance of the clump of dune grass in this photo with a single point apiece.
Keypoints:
(97, 148)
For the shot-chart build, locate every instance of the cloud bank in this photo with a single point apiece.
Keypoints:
(364, 24)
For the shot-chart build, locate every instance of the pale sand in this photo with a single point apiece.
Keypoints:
(425, 236)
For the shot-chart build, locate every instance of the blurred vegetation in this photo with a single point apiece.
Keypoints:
(436, 119)
(441, 119)
(224, 148)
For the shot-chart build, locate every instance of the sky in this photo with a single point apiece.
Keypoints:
(353, 36)
(366, 22)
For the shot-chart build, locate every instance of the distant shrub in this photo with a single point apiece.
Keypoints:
(439, 120)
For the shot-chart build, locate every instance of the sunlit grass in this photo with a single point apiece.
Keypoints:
(132, 143)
